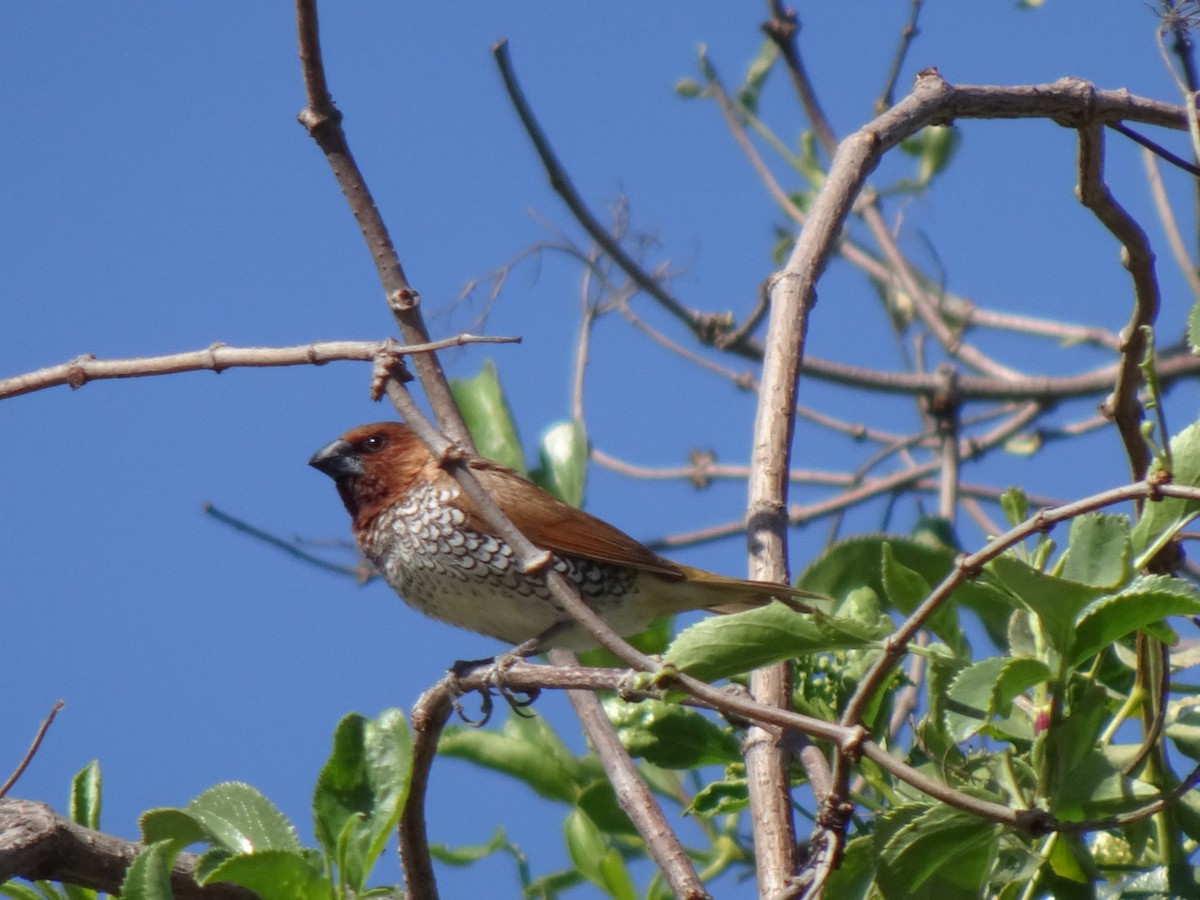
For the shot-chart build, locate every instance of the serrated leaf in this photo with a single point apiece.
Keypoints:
(471, 853)
(485, 410)
(1098, 551)
(933, 851)
(1193, 328)
(598, 801)
(721, 646)
(1057, 602)
(526, 749)
(149, 875)
(563, 455)
(170, 825)
(1143, 606)
(1095, 786)
(274, 875)
(855, 874)
(1162, 519)
(238, 818)
(857, 562)
(986, 690)
(84, 808)
(670, 736)
(361, 790)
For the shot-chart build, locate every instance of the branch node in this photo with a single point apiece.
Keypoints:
(405, 299)
(969, 571)
(77, 375)
(387, 365)
(214, 363)
(538, 563)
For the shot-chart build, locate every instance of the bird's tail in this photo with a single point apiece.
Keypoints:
(722, 594)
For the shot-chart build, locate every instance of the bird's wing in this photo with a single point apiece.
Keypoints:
(560, 528)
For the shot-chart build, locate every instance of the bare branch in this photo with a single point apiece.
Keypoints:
(323, 121)
(632, 793)
(32, 751)
(219, 357)
(1122, 404)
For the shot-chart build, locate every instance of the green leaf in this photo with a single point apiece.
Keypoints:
(85, 796)
(855, 874)
(1193, 328)
(730, 795)
(594, 859)
(1098, 551)
(149, 875)
(1162, 519)
(858, 562)
(756, 75)
(563, 455)
(721, 646)
(274, 875)
(906, 589)
(688, 88)
(670, 736)
(1056, 601)
(485, 409)
(986, 689)
(933, 851)
(933, 147)
(1185, 732)
(15, 891)
(1095, 787)
(470, 853)
(361, 790)
(1142, 606)
(526, 749)
(170, 824)
(238, 818)
(1015, 506)
(598, 801)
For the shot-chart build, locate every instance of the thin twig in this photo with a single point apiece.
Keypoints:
(908, 34)
(361, 573)
(323, 121)
(33, 749)
(1166, 217)
(1122, 404)
(562, 185)
(631, 791)
(217, 358)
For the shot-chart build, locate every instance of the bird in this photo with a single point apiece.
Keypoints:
(432, 546)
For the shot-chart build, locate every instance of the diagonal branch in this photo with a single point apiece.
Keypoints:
(324, 123)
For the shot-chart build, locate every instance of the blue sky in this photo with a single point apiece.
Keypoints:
(157, 194)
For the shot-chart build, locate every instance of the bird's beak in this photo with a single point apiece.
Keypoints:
(337, 460)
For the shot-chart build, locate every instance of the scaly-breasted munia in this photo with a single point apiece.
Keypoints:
(429, 542)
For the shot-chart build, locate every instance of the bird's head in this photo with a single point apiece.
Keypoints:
(373, 466)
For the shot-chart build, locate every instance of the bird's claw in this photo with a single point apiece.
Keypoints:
(518, 700)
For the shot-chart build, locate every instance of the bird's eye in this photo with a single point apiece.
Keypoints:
(374, 443)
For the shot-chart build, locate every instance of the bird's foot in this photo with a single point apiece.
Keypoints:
(495, 678)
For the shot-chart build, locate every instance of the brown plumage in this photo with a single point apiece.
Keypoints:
(429, 542)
